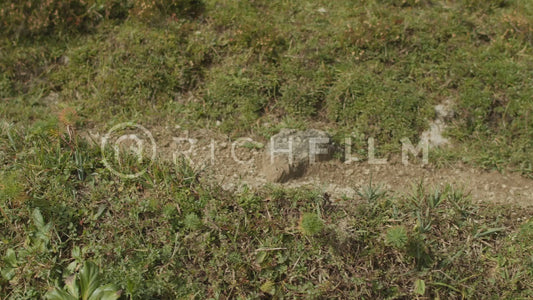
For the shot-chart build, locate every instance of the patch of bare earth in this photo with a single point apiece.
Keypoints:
(234, 163)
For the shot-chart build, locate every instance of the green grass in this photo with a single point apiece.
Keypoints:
(168, 235)
(375, 68)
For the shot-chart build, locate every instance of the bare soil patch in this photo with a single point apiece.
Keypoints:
(234, 163)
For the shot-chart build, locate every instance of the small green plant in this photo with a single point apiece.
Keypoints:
(192, 222)
(268, 287)
(253, 145)
(11, 188)
(85, 286)
(188, 174)
(435, 199)
(10, 265)
(526, 232)
(371, 193)
(396, 237)
(311, 224)
(418, 249)
(419, 287)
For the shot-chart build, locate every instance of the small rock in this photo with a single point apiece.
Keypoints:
(51, 98)
(276, 164)
(64, 60)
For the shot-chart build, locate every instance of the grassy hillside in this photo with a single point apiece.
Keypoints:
(373, 68)
(376, 68)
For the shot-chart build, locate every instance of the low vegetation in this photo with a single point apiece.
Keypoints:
(170, 235)
(71, 229)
